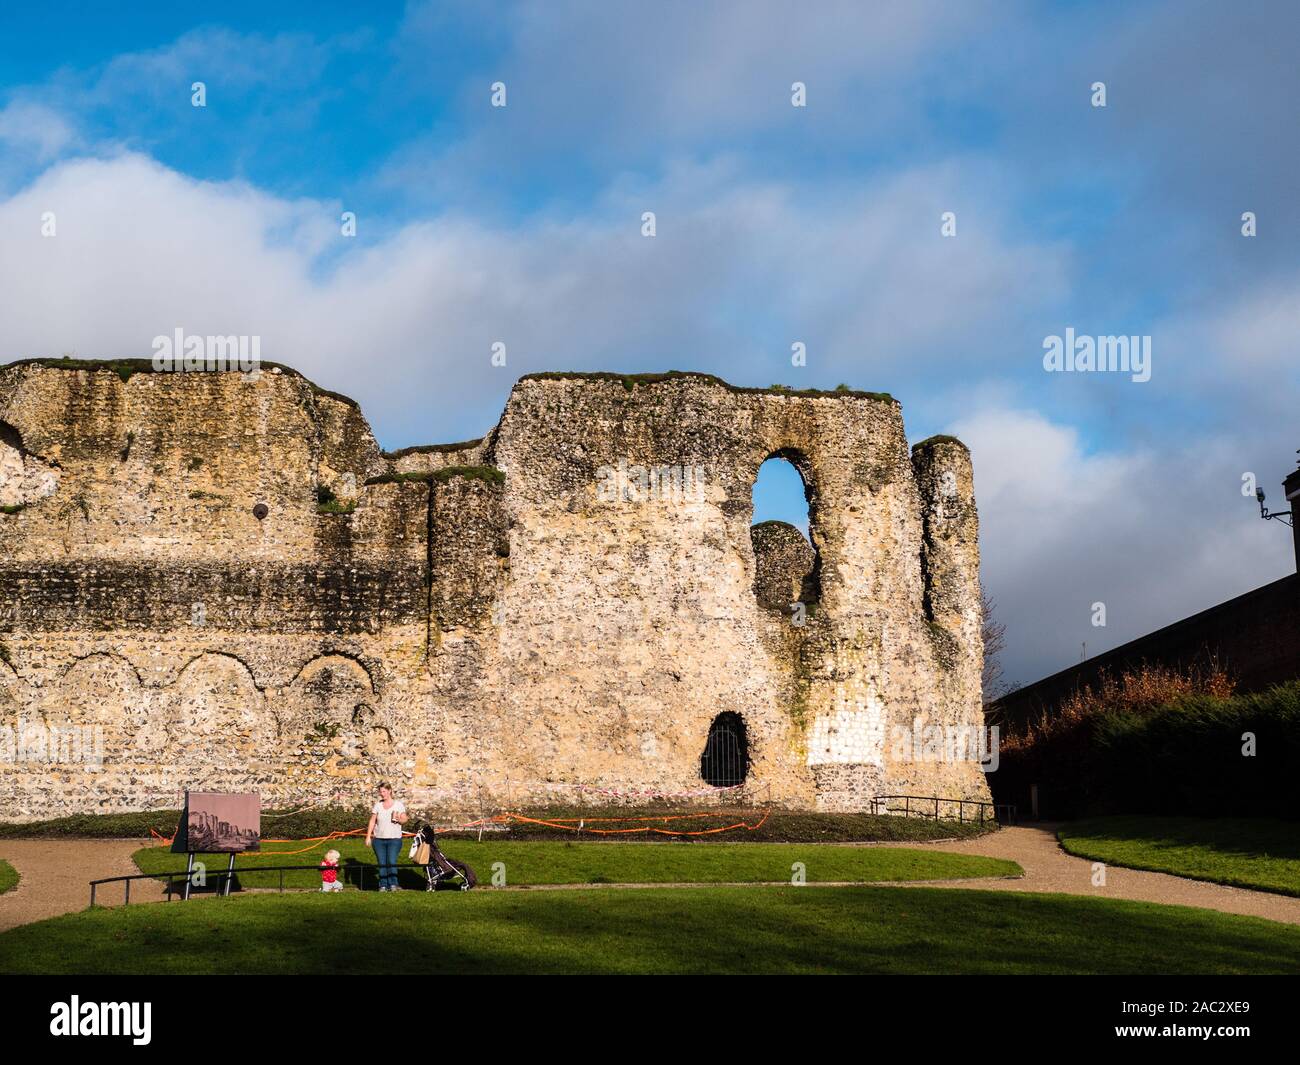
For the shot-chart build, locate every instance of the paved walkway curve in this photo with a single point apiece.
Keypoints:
(56, 874)
(54, 877)
(1048, 868)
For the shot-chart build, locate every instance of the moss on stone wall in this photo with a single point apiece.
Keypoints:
(784, 567)
(418, 476)
(799, 710)
(337, 506)
(940, 438)
(124, 368)
(478, 473)
(945, 645)
(328, 503)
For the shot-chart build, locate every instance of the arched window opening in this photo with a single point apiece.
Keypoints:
(787, 570)
(725, 761)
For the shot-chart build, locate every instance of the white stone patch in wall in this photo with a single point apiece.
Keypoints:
(24, 478)
(849, 737)
(11, 474)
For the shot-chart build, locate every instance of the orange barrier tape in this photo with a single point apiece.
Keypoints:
(558, 823)
(597, 820)
(566, 824)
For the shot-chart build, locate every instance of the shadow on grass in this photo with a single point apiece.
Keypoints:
(1258, 853)
(697, 930)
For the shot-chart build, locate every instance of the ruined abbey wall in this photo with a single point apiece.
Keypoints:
(226, 575)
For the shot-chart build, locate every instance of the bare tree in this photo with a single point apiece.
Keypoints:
(995, 642)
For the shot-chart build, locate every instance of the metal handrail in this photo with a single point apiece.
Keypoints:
(182, 874)
(1003, 813)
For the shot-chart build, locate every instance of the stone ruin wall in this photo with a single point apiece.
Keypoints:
(478, 622)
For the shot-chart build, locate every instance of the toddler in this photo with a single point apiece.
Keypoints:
(329, 872)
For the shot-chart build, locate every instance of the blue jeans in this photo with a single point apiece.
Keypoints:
(386, 852)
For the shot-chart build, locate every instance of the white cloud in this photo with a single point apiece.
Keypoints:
(230, 63)
(34, 130)
(688, 69)
(1242, 346)
(739, 270)
(1155, 534)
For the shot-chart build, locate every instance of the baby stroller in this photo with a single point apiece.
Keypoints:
(443, 873)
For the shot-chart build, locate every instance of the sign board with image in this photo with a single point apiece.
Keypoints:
(219, 823)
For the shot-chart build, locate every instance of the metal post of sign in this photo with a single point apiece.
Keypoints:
(230, 874)
(189, 876)
(482, 810)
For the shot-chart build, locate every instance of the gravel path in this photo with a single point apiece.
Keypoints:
(55, 875)
(1048, 868)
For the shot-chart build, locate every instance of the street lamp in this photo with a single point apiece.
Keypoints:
(1284, 516)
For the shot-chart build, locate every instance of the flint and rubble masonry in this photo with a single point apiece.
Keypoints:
(484, 623)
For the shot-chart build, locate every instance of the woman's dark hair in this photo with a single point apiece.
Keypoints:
(384, 785)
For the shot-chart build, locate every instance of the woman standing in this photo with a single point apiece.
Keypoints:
(385, 829)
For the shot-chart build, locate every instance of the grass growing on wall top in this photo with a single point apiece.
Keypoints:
(433, 449)
(940, 438)
(631, 381)
(477, 473)
(128, 368)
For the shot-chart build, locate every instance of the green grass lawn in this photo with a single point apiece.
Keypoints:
(654, 930)
(8, 877)
(1260, 853)
(540, 862)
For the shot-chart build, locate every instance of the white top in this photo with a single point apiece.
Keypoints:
(385, 826)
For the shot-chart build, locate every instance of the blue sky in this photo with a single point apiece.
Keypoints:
(775, 224)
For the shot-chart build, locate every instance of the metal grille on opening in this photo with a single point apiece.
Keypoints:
(725, 760)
